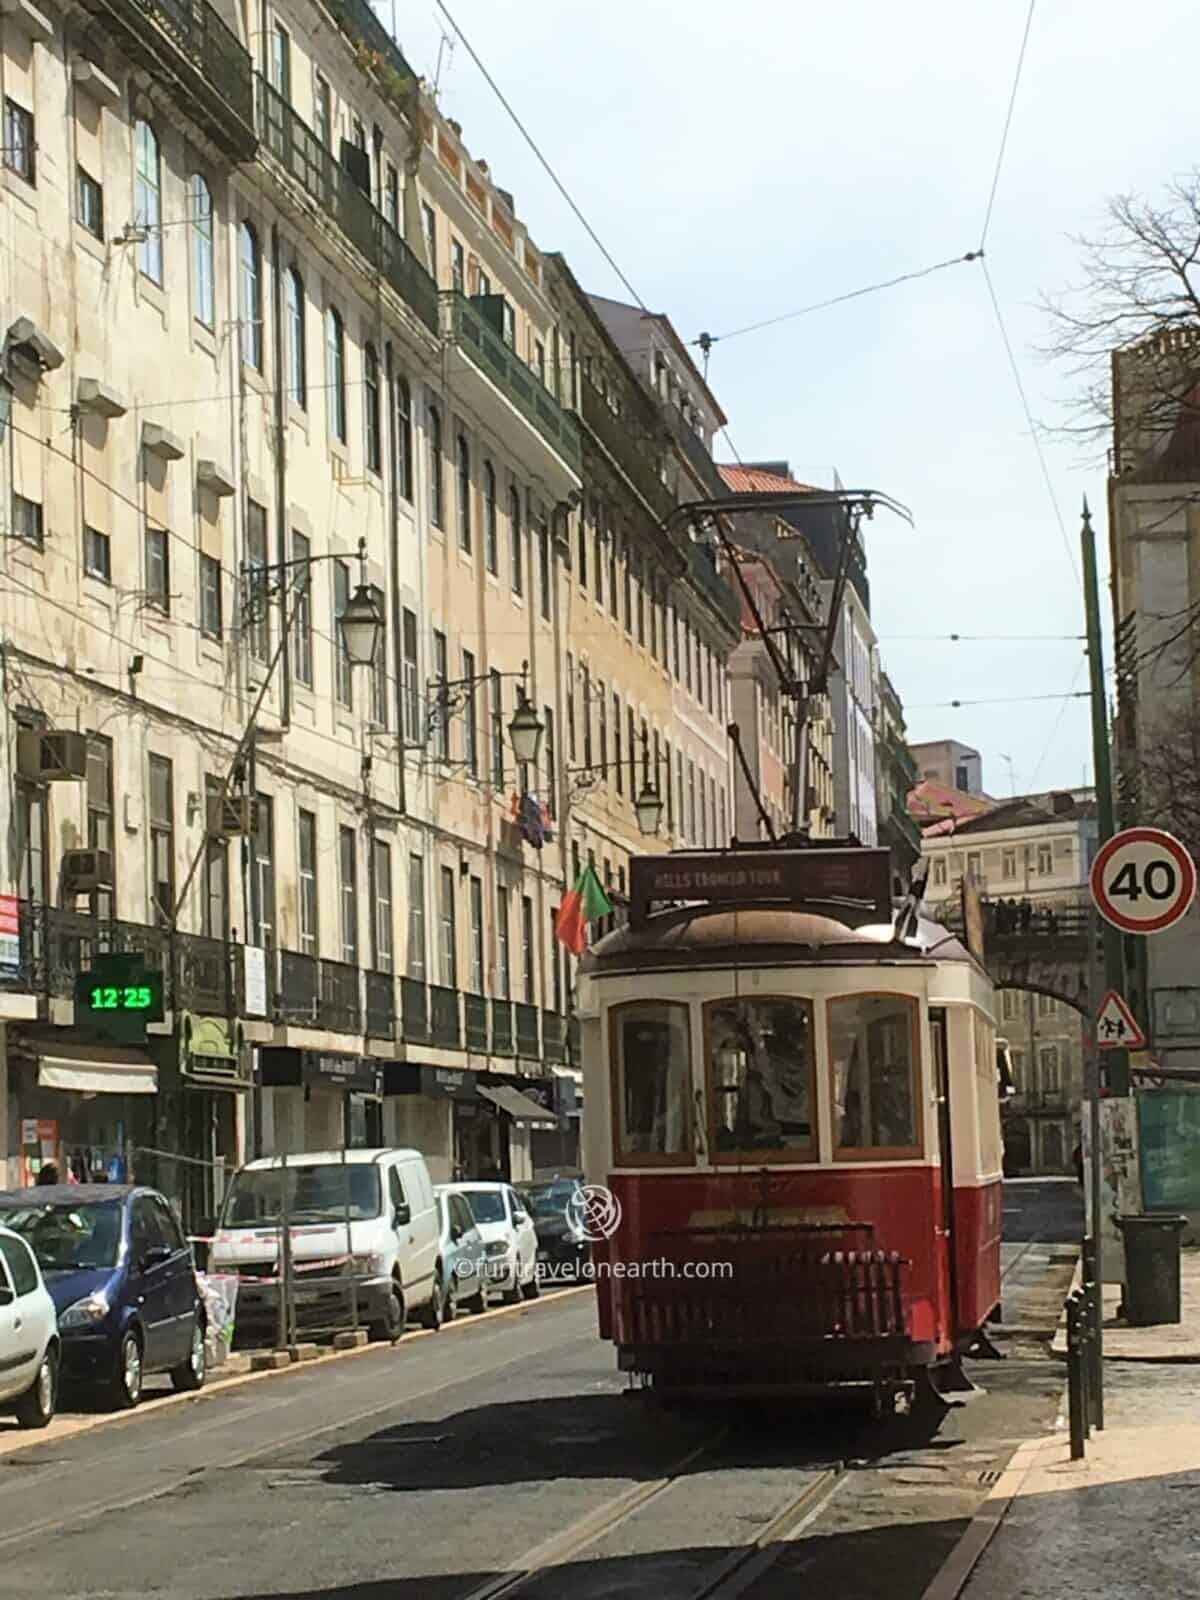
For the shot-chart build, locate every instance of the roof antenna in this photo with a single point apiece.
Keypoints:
(446, 51)
(705, 341)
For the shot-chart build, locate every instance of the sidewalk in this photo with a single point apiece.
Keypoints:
(1171, 1342)
(1125, 1521)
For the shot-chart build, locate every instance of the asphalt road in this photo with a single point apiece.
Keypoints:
(425, 1471)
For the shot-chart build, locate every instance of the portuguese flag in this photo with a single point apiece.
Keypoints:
(586, 902)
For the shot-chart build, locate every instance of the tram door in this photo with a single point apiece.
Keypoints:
(941, 1077)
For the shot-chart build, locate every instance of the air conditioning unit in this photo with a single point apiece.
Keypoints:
(83, 870)
(46, 756)
(232, 814)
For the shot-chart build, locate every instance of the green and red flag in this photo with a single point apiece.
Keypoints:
(587, 902)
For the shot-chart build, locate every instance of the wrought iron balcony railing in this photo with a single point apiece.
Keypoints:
(445, 1016)
(298, 999)
(629, 441)
(380, 994)
(341, 997)
(694, 449)
(211, 46)
(310, 164)
(484, 347)
(529, 1042)
(502, 1027)
(708, 580)
(554, 1036)
(475, 1019)
(414, 1010)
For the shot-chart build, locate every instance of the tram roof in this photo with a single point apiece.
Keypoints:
(718, 936)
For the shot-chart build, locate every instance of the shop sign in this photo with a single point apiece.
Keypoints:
(841, 875)
(340, 1072)
(210, 1051)
(254, 979)
(448, 1081)
(10, 933)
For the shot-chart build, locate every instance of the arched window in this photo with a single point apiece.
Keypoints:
(517, 536)
(464, 492)
(491, 538)
(437, 486)
(374, 447)
(297, 351)
(203, 277)
(335, 372)
(251, 297)
(404, 440)
(147, 200)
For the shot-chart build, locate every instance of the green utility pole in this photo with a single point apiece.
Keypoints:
(1114, 957)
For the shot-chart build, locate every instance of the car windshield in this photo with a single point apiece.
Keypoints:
(486, 1205)
(550, 1200)
(314, 1194)
(66, 1236)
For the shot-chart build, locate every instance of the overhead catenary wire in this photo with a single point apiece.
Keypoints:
(982, 638)
(1012, 101)
(1062, 711)
(543, 162)
(1002, 700)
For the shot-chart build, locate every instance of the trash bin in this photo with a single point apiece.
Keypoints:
(1152, 1293)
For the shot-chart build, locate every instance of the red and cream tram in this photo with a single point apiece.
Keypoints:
(797, 1114)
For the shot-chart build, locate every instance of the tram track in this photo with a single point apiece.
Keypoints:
(732, 1571)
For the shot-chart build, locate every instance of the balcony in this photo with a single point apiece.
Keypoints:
(502, 1028)
(475, 1019)
(341, 998)
(202, 975)
(713, 587)
(380, 990)
(445, 1017)
(529, 1042)
(904, 830)
(554, 1036)
(186, 46)
(693, 447)
(631, 445)
(298, 999)
(307, 162)
(414, 1011)
(532, 424)
(356, 19)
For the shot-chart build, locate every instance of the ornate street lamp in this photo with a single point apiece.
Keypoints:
(361, 625)
(649, 809)
(525, 731)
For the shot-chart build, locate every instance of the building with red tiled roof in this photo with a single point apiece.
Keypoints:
(756, 480)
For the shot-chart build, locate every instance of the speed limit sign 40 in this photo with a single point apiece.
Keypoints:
(1143, 880)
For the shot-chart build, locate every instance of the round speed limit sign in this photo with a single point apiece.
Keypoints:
(1143, 880)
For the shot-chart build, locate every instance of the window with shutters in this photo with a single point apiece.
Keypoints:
(306, 839)
(162, 840)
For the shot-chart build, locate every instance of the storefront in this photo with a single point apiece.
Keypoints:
(82, 1106)
(466, 1124)
(555, 1148)
(424, 1111)
(318, 1101)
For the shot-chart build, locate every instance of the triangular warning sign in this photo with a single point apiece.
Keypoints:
(1115, 1027)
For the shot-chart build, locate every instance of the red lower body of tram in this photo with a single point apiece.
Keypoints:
(797, 1280)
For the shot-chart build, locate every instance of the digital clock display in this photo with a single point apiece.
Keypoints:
(126, 997)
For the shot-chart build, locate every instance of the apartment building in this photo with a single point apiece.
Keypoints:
(895, 780)
(1033, 854)
(950, 764)
(280, 353)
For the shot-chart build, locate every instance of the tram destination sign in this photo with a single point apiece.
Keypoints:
(846, 876)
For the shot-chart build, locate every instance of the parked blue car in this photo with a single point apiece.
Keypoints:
(120, 1273)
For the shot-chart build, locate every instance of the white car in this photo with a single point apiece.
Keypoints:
(509, 1238)
(375, 1205)
(29, 1347)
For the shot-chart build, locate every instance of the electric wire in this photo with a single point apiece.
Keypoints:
(1012, 101)
(1062, 710)
(533, 145)
(1003, 700)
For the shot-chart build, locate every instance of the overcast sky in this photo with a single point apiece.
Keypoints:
(742, 161)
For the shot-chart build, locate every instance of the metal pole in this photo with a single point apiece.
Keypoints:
(285, 1258)
(346, 1212)
(1094, 1297)
(1075, 1381)
(1117, 1067)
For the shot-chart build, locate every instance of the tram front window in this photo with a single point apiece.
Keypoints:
(872, 1042)
(654, 1075)
(760, 1064)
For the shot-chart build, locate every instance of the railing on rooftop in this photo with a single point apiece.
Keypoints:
(310, 164)
(357, 18)
(708, 580)
(470, 330)
(694, 449)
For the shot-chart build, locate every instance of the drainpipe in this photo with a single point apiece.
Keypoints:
(391, 489)
(281, 517)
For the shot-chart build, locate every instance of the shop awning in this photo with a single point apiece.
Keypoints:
(95, 1069)
(520, 1107)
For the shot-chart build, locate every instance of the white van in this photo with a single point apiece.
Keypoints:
(392, 1239)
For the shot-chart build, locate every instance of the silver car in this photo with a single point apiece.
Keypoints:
(461, 1252)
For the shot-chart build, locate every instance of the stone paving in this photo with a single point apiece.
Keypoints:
(1168, 1342)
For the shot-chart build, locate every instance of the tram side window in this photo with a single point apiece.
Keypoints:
(872, 1041)
(653, 1069)
(760, 1060)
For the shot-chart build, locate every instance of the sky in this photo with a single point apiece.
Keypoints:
(744, 161)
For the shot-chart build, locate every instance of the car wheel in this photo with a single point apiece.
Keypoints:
(36, 1406)
(392, 1326)
(125, 1389)
(450, 1300)
(431, 1318)
(478, 1301)
(533, 1288)
(190, 1374)
(512, 1296)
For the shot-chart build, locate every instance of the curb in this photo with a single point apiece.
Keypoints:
(953, 1575)
(12, 1441)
